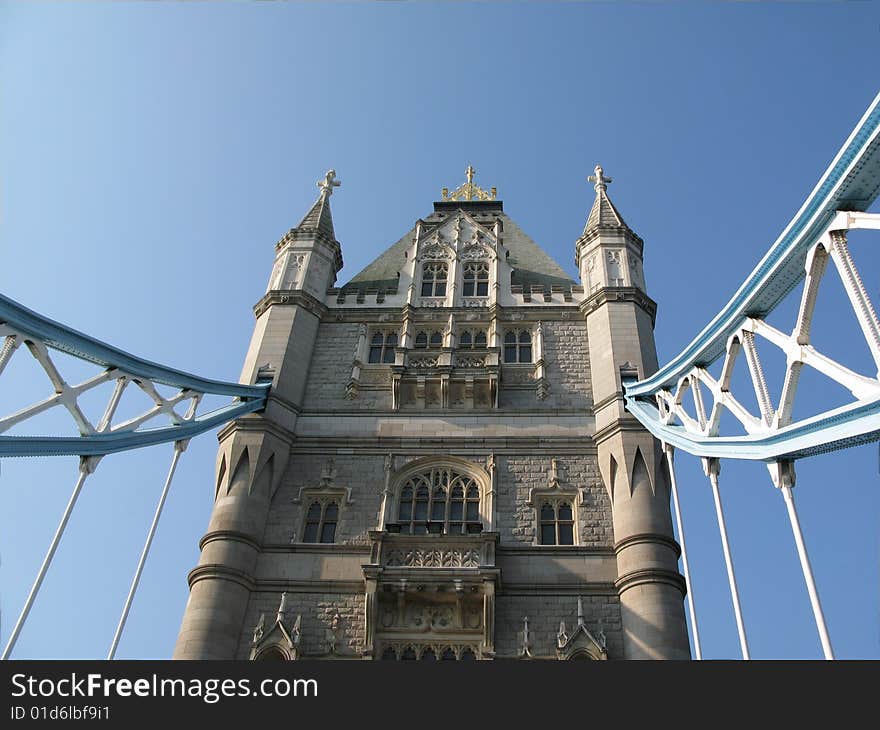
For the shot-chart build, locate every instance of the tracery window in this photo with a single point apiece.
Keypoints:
(434, 275)
(439, 501)
(556, 523)
(382, 346)
(424, 340)
(472, 339)
(518, 346)
(476, 279)
(321, 520)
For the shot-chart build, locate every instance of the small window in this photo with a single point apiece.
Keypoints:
(321, 519)
(382, 347)
(434, 276)
(421, 340)
(472, 339)
(518, 347)
(424, 340)
(556, 524)
(476, 279)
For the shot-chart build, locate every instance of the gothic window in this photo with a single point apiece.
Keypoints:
(424, 340)
(476, 279)
(556, 523)
(382, 347)
(518, 347)
(408, 654)
(472, 339)
(434, 276)
(321, 519)
(272, 654)
(389, 653)
(439, 501)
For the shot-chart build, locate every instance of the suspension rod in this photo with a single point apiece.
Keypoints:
(670, 451)
(808, 573)
(712, 472)
(179, 448)
(86, 467)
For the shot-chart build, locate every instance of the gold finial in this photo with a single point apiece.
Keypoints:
(468, 190)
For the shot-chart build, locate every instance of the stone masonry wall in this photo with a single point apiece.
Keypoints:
(518, 474)
(317, 611)
(545, 613)
(362, 473)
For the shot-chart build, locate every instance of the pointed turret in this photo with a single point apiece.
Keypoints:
(608, 253)
(308, 257)
(620, 323)
(603, 214)
(319, 218)
(254, 450)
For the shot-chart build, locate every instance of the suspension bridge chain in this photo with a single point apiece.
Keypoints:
(165, 421)
(683, 404)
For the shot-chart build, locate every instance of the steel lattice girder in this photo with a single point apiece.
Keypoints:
(22, 325)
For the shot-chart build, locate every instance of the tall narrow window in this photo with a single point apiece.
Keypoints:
(518, 347)
(556, 524)
(440, 501)
(434, 276)
(476, 279)
(321, 522)
(382, 347)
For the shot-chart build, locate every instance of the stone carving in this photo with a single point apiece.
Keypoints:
(470, 362)
(436, 251)
(434, 558)
(423, 362)
(474, 252)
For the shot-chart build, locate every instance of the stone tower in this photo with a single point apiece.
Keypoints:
(444, 469)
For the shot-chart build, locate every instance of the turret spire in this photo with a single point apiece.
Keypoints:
(603, 213)
(319, 218)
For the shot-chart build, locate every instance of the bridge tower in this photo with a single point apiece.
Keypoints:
(620, 326)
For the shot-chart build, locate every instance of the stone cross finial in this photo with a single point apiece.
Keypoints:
(470, 174)
(599, 178)
(328, 183)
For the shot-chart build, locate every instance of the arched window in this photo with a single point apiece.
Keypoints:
(382, 347)
(472, 339)
(518, 347)
(440, 501)
(476, 279)
(321, 519)
(272, 654)
(557, 523)
(434, 275)
(424, 340)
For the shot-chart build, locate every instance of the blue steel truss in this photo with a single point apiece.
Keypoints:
(23, 325)
(851, 183)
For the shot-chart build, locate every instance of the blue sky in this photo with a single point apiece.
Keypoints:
(152, 154)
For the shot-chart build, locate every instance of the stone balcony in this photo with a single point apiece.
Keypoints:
(446, 378)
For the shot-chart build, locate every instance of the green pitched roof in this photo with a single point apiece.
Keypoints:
(531, 264)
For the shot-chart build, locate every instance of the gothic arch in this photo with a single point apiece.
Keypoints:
(640, 475)
(456, 464)
(240, 479)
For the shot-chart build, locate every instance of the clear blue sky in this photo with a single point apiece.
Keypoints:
(152, 154)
